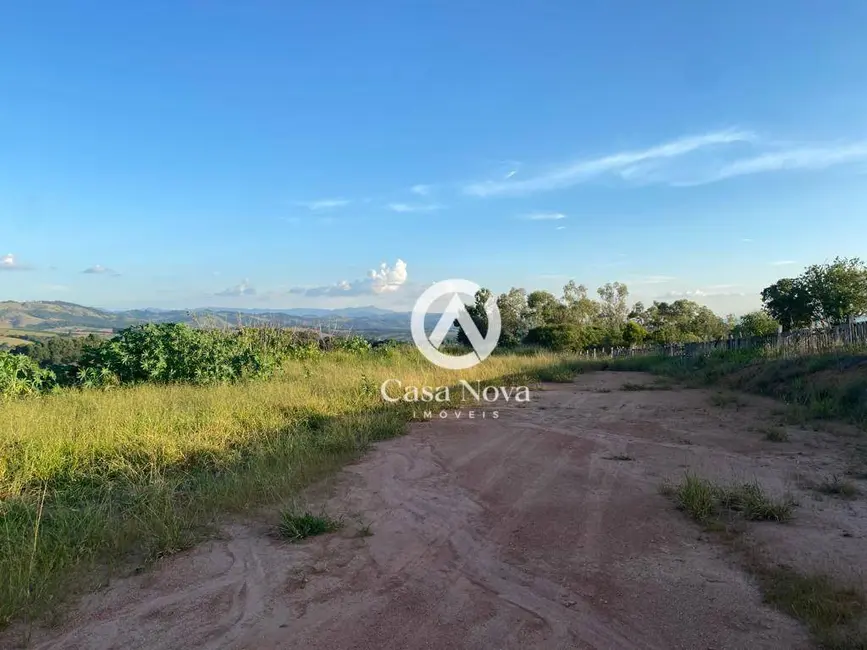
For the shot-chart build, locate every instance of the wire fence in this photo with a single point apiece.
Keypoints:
(785, 344)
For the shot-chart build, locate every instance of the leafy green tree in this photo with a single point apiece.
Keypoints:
(478, 313)
(514, 316)
(790, 303)
(757, 323)
(579, 308)
(634, 334)
(613, 308)
(545, 309)
(838, 290)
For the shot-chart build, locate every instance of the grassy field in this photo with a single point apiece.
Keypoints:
(100, 481)
(822, 386)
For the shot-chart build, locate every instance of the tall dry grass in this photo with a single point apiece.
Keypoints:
(94, 482)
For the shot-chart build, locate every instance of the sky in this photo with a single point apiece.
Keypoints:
(268, 154)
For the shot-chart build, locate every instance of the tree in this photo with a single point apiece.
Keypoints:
(545, 309)
(613, 308)
(634, 334)
(757, 323)
(838, 290)
(580, 309)
(478, 313)
(790, 303)
(514, 316)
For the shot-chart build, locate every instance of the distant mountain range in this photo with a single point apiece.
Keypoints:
(64, 317)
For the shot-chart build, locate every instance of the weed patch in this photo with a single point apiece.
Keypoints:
(705, 501)
(839, 487)
(295, 526)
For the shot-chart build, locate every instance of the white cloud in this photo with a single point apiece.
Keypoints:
(421, 189)
(686, 161)
(545, 216)
(385, 279)
(410, 207)
(702, 293)
(324, 204)
(509, 174)
(560, 228)
(99, 269)
(622, 163)
(9, 263)
(244, 288)
(747, 240)
(783, 263)
(801, 158)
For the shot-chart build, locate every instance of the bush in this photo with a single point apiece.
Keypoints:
(170, 352)
(20, 375)
(562, 337)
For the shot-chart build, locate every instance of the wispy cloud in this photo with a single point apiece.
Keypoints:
(783, 263)
(385, 279)
(560, 228)
(806, 158)
(324, 204)
(544, 216)
(8, 262)
(623, 163)
(421, 189)
(244, 288)
(414, 207)
(686, 161)
(99, 269)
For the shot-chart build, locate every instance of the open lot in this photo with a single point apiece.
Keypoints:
(544, 527)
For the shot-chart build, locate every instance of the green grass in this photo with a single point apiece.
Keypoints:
(831, 612)
(706, 502)
(131, 474)
(819, 386)
(295, 526)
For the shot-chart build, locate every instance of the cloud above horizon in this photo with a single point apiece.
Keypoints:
(413, 207)
(685, 161)
(99, 269)
(9, 263)
(545, 216)
(243, 288)
(385, 279)
(324, 204)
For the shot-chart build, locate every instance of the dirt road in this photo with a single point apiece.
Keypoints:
(533, 530)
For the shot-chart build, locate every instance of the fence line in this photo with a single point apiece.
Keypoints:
(795, 343)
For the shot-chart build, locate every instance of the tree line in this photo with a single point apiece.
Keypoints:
(823, 295)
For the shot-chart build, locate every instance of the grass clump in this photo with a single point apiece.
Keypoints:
(831, 612)
(295, 526)
(557, 375)
(776, 434)
(706, 501)
(839, 487)
(620, 457)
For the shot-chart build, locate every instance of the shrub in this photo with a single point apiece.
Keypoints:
(20, 375)
(171, 352)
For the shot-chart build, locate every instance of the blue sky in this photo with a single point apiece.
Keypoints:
(271, 154)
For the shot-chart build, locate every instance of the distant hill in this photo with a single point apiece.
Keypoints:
(64, 317)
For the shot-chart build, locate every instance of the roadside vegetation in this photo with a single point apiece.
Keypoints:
(144, 460)
(834, 613)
